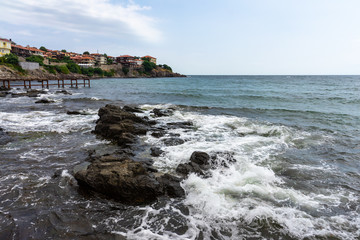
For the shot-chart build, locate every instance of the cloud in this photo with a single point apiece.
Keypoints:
(98, 17)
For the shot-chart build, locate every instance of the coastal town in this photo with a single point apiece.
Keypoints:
(18, 62)
(86, 59)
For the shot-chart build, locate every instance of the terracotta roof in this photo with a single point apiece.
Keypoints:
(147, 56)
(127, 56)
(19, 46)
(4, 39)
(87, 58)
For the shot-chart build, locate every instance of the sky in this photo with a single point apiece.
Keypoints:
(221, 37)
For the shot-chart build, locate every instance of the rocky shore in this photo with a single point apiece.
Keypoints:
(7, 73)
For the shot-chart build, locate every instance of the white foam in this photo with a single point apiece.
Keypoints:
(45, 121)
(248, 190)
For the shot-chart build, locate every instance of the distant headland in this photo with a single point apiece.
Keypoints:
(18, 62)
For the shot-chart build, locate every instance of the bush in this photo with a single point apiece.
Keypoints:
(35, 58)
(98, 71)
(73, 67)
(125, 70)
(11, 59)
(50, 69)
(148, 66)
(109, 74)
(88, 71)
(62, 69)
(166, 67)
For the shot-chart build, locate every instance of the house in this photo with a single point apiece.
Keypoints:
(35, 51)
(20, 51)
(126, 60)
(152, 59)
(138, 62)
(84, 61)
(99, 58)
(5, 46)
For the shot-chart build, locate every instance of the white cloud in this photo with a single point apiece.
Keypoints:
(100, 17)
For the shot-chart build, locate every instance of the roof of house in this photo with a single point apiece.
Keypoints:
(125, 56)
(147, 56)
(4, 39)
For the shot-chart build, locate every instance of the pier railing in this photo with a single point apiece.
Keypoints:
(45, 83)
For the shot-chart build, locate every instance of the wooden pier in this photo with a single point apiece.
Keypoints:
(45, 83)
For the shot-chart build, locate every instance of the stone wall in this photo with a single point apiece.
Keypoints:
(29, 65)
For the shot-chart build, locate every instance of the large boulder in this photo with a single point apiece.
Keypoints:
(127, 181)
(119, 125)
(199, 163)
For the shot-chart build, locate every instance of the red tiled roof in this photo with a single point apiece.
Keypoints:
(4, 39)
(127, 56)
(147, 56)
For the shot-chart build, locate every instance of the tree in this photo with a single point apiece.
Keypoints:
(110, 61)
(42, 48)
(125, 70)
(86, 53)
(12, 59)
(64, 51)
(148, 66)
(73, 67)
(35, 58)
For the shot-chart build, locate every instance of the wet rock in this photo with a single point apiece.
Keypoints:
(132, 109)
(173, 141)
(161, 112)
(201, 158)
(119, 125)
(45, 100)
(155, 151)
(127, 181)
(187, 168)
(76, 112)
(63, 92)
(171, 185)
(3, 94)
(174, 125)
(223, 159)
(158, 134)
(199, 164)
(57, 173)
(4, 137)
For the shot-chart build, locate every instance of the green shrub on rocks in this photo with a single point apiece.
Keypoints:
(35, 58)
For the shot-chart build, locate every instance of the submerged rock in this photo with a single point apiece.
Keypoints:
(63, 92)
(45, 100)
(173, 141)
(4, 137)
(161, 112)
(128, 181)
(155, 151)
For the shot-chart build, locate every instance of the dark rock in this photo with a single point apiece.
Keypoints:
(3, 94)
(161, 112)
(155, 151)
(158, 134)
(201, 158)
(174, 125)
(57, 173)
(132, 109)
(187, 168)
(173, 141)
(63, 92)
(127, 181)
(45, 100)
(75, 112)
(119, 125)
(171, 185)
(223, 159)
(4, 137)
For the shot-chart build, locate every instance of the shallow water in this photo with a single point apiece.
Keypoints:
(294, 171)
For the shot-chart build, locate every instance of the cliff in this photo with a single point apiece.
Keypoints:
(11, 74)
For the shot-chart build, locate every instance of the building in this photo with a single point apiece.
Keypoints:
(152, 59)
(84, 61)
(126, 60)
(5, 46)
(99, 58)
(20, 51)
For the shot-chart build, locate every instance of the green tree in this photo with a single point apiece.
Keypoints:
(35, 58)
(42, 48)
(86, 53)
(62, 69)
(64, 51)
(125, 70)
(110, 61)
(98, 71)
(148, 66)
(73, 67)
(11, 59)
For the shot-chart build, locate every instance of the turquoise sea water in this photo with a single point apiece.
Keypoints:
(295, 139)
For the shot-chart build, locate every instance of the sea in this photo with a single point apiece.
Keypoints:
(294, 173)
